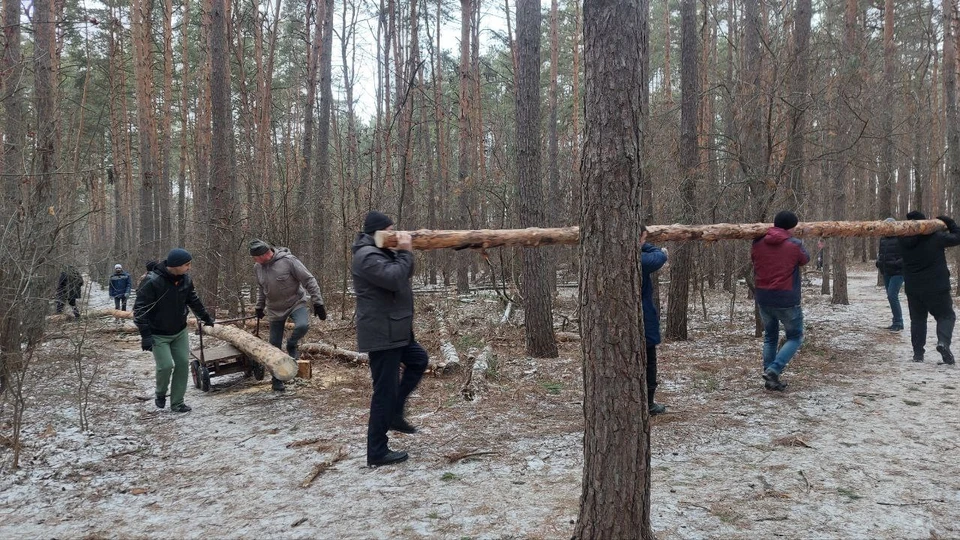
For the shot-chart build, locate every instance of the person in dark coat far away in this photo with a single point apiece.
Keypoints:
(777, 258)
(69, 289)
(120, 285)
(926, 280)
(652, 258)
(890, 264)
(381, 281)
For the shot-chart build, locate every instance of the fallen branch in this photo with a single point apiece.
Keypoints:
(450, 360)
(534, 236)
(303, 442)
(458, 456)
(567, 336)
(477, 376)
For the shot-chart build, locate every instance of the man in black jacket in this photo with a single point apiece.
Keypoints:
(890, 264)
(927, 282)
(160, 314)
(69, 289)
(381, 281)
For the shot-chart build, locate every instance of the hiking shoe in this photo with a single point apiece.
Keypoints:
(772, 381)
(401, 425)
(160, 401)
(945, 353)
(389, 458)
(183, 407)
(895, 328)
(278, 385)
(656, 408)
(918, 357)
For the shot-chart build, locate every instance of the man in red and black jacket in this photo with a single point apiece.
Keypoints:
(777, 258)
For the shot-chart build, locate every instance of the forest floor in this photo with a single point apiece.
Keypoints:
(863, 444)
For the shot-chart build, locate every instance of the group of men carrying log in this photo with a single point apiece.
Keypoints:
(382, 281)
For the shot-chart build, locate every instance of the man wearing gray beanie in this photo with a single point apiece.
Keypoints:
(284, 288)
(160, 314)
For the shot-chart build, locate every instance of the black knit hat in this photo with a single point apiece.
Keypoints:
(785, 220)
(916, 215)
(178, 257)
(376, 221)
(258, 247)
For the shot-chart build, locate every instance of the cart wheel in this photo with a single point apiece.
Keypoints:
(258, 371)
(195, 371)
(204, 379)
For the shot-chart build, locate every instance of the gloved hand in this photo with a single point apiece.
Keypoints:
(948, 220)
(146, 343)
(259, 312)
(208, 321)
(320, 311)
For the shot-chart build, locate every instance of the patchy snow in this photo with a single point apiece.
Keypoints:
(862, 443)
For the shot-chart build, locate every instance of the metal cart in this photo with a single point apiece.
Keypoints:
(222, 360)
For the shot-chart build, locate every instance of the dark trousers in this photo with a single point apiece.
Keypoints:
(120, 301)
(940, 305)
(651, 372)
(73, 304)
(390, 390)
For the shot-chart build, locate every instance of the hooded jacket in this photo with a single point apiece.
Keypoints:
(162, 300)
(70, 284)
(924, 263)
(120, 284)
(652, 259)
(777, 258)
(381, 281)
(889, 260)
(284, 284)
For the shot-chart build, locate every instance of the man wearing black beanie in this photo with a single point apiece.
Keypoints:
(926, 280)
(777, 258)
(160, 314)
(381, 281)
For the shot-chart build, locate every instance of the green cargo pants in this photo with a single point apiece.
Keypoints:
(172, 354)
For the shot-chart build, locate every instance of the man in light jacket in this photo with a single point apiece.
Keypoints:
(381, 281)
(285, 288)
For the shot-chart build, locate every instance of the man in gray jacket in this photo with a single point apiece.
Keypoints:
(381, 281)
(284, 287)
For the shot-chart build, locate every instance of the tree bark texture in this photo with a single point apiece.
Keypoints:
(534, 237)
(141, 30)
(615, 501)
(281, 365)
(537, 303)
(950, 101)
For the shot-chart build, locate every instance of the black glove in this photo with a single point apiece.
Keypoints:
(320, 311)
(259, 312)
(208, 321)
(146, 343)
(948, 221)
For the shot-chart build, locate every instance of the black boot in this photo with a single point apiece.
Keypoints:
(278, 385)
(944, 350)
(654, 407)
(400, 424)
(389, 458)
(161, 401)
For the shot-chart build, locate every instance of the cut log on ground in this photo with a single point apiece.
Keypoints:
(476, 381)
(333, 351)
(567, 336)
(532, 237)
(449, 359)
(281, 365)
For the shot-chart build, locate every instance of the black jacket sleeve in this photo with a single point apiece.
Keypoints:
(146, 298)
(950, 237)
(193, 300)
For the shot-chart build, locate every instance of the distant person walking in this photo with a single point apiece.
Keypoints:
(69, 289)
(284, 288)
(382, 283)
(777, 258)
(926, 280)
(120, 285)
(160, 314)
(890, 264)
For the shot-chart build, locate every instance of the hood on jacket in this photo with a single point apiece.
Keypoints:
(776, 235)
(280, 253)
(362, 240)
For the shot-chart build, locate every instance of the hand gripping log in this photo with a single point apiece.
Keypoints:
(488, 238)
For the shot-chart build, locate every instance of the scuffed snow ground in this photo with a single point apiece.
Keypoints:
(863, 444)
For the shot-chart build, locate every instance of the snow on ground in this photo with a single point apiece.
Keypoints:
(861, 445)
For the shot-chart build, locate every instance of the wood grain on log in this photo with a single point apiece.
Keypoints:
(281, 365)
(488, 238)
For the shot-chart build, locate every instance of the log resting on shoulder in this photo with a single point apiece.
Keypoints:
(534, 236)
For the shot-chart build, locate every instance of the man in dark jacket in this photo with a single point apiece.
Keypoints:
(160, 314)
(381, 281)
(284, 285)
(777, 258)
(69, 289)
(652, 259)
(120, 285)
(927, 283)
(890, 264)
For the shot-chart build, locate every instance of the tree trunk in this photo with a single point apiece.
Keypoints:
(887, 163)
(322, 204)
(615, 501)
(799, 103)
(163, 191)
(466, 165)
(538, 309)
(222, 171)
(141, 30)
(950, 102)
(689, 153)
(184, 123)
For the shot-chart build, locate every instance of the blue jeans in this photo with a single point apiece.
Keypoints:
(893, 285)
(792, 319)
(301, 323)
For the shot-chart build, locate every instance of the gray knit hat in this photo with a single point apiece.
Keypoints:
(258, 247)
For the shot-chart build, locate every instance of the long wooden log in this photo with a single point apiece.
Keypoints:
(281, 365)
(533, 236)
